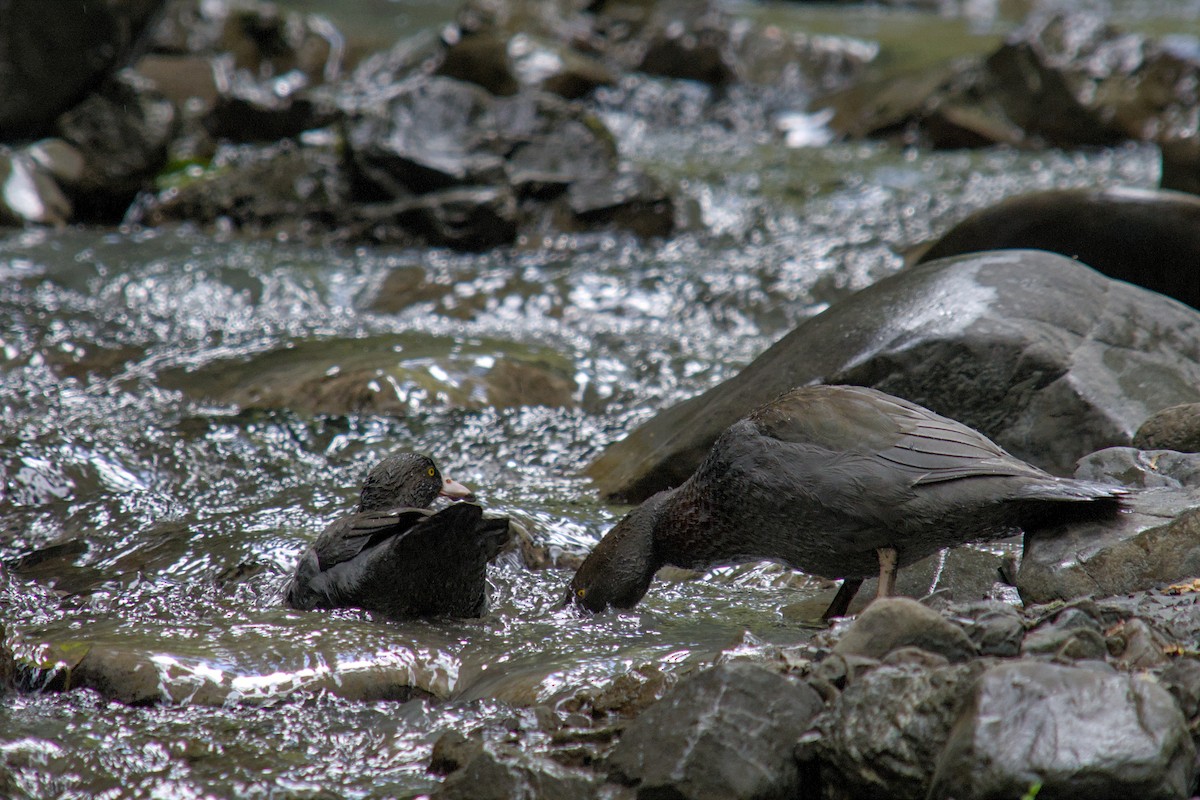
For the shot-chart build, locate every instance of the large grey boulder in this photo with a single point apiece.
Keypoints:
(1043, 354)
(1145, 236)
(1079, 732)
(725, 734)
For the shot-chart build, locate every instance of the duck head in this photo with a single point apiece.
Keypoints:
(409, 480)
(618, 572)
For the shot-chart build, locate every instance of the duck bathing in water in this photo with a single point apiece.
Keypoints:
(838, 481)
(394, 556)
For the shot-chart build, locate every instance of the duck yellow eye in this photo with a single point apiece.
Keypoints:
(580, 592)
(430, 472)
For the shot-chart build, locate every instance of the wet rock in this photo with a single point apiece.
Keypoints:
(571, 154)
(940, 104)
(130, 673)
(1072, 635)
(121, 675)
(1155, 543)
(1033, 723)
(1144, 469)
(434, 133)
(452, 751)
(631, 693)
(369, 376)
(266, 111)
(123, 134)
(512, 383)
(448, 163)
(1147, 237)
(1066, 79)
(894, 622)
(1174, 611)
(480, 58)
(881, 737)
(1175, 428)
(182, 78)
(8, 669)
(1072, 79)
(696, 53)
(276, 190)
(727, 732)
(1136, 645)
(29, 194)
(557, 69)
(493, 774)
(1182, 679)
(1031, 348)
(465, 218)
(629, 200)
(407, 286)
(1181, 165)
(995, 628)
(1044, 93)
(838, 670)
(267, 41)
(626, 696)
(50, 61)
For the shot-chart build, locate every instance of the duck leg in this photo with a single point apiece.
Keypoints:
(887, 572)
(841, 600)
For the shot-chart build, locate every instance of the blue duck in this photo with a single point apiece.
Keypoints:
(394, 556)
(838, 481)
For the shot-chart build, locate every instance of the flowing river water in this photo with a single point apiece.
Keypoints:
(148, 508)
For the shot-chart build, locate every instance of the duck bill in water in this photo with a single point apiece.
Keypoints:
(620, 568)
(455, 490)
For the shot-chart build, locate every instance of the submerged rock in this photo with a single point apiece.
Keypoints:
(1075, 732)
(1155, 543)
(727, 733)
(1045, 356)
(492, 774)
(1147, 237)
(384, 375)
(130, 670)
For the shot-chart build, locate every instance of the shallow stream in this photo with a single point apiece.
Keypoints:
(147, 505)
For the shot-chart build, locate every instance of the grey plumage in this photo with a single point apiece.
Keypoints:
(822, 479)
(397, 558)
(404, 564)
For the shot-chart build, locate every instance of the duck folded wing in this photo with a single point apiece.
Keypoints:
(352, 536)
(914, 444)
(439, 568)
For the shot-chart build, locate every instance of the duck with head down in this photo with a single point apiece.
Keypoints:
(395, 557)
(838, 481)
